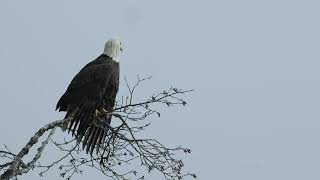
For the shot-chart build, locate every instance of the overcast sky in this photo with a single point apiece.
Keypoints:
(254, 65)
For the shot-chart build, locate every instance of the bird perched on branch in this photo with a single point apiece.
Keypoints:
(90, 97)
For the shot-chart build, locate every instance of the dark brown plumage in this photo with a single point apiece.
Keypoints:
(94, 88)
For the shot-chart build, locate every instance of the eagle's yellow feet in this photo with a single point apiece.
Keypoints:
(101, 113)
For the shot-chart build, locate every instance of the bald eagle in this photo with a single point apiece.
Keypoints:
(90, 97)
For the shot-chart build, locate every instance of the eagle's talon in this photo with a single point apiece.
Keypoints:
(97, 113)
(104, 111)
(101, 113)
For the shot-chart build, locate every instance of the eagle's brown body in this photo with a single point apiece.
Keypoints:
(92, 90)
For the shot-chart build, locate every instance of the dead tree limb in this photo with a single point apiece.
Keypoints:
(125, 153)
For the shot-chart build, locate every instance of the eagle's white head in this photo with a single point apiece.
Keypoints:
(113, 48)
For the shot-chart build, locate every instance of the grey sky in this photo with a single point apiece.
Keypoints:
(254, 65)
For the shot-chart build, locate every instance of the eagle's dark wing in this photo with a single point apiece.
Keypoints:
(85, 94)
(94, 136)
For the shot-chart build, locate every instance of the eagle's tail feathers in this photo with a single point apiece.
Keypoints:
(99, 141)
(83, 118)
(92, 135)
(86, 137)
(83, 127)
(95, 140)
(79, 119)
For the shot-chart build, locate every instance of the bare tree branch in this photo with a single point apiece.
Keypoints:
(14, 169)
(124, 146)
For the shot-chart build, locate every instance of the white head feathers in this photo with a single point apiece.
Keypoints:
(113, 48)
